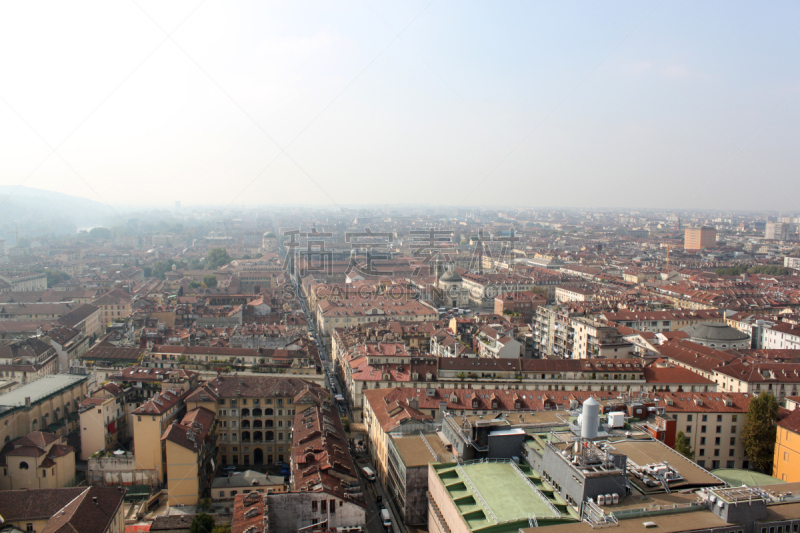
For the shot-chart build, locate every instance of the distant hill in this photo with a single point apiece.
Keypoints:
(42, 212)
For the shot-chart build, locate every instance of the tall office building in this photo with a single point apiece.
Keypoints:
(777, 231)
(700, 238)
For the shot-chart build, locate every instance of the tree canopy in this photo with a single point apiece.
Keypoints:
(55, 277)
(100, 233)
(769, 270)
(217, 257)
(760, 428)
(210, 281)
(202, 523)
(683, 446)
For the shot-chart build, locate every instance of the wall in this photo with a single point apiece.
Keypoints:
(290, 511)
(182, 475)
(786, 464)
(147, 444)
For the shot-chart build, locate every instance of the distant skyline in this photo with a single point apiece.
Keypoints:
(588, 104)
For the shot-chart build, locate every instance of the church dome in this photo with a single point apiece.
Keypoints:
(450, 276)
(269, 234)
(716, 334)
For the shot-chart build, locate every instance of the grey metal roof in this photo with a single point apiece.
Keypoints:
(714, 332)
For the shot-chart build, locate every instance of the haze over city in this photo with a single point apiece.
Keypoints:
(425, 266)
(631, 104)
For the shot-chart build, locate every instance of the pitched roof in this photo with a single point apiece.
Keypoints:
(192, 430)
(67, 510)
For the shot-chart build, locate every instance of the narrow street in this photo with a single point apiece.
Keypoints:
(371, 490)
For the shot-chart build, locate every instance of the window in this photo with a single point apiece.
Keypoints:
(734, 418)
(314, 506)
(719, 429)
(701, 463)
(730, 464)
(730, 452)
(23, 465)
(323, 506)
(332, 506)
(222, 494)
(716, 452)
(705, 418)
(716, 441)
(733, 441)
(702, 452)
(733, 429)
(785, 456)
(719, 418)
(702, 441)
(689, 418)
(28, 527)
(688, 429)
(702, 429)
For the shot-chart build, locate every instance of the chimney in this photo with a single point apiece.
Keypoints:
(94, 500)
(413, 403)
(27, 402)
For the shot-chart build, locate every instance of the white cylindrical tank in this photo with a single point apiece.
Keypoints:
(601, 500)
(615, 498)
(590, 420)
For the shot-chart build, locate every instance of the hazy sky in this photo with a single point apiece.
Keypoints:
(641, 104)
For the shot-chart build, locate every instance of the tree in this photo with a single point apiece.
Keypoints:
(217, 257)
(55, 277)
(147, 271)
(683, 446)
(180, 291)
(202, 523)
(100, 234)
(195, 284)
(210, 281)
(221, 529)
(759, 431)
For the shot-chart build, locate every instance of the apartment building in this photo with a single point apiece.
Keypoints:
(575, 294)
(696, 239)
(151, 420)
(713, 422)
(661, 321)
(85, 318)
(786, 464)
(114, 305)
(484, 288)
(779, 379)
(336, 314)
(190, 447)
(26, 360)
(105, 420)
(781, 336)
(254, 415)
(49, 404)
(592, 338)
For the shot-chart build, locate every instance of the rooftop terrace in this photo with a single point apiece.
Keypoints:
(499, 495)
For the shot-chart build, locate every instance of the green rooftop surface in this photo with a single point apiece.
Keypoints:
(506, 493)
(736, 477)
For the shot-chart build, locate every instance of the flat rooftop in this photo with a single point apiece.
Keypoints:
(648, 452)
(415, 452)
(522, 419)
(505, 490)
(39, 389)
(698, 520)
